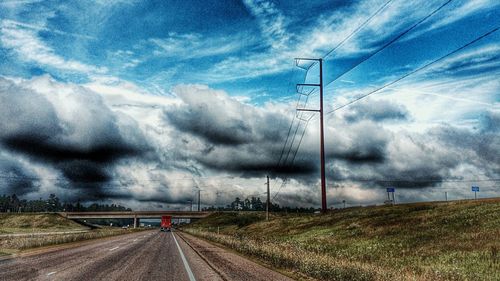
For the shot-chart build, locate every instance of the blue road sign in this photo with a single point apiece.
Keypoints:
(475, 188)
(391, 189)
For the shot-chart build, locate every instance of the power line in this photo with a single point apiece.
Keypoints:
(350, 35)
(283, 184)
(288, 135)
(307, 122)
(296, 129)
(301, 137)
(298, 123)
(293, 158)
(415, 71)
(392, 41)
(357, 29)
(293, 118)
(366, 58)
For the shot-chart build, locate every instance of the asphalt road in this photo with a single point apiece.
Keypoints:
(147, 255)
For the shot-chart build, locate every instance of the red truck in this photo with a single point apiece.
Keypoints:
(166, 223)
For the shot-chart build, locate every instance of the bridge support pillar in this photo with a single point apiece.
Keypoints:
(136, 221)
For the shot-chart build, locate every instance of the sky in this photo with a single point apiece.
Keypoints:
(142, 103)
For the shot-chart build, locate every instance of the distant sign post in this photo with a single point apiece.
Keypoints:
(389, 191)
(475, 189)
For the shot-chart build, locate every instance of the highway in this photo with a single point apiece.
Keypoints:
(146, 255)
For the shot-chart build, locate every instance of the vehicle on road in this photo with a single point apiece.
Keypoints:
(166, 223)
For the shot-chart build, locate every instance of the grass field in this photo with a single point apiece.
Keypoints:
(15, 223)
(422, 241)
(27, 222)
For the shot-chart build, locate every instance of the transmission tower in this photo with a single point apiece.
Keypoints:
(305, 89)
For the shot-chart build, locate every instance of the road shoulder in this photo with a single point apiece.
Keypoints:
(228, 264)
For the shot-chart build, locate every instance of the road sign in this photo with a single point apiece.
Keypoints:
(475, 188)
(391, 189)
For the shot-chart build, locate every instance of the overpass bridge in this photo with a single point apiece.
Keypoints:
(136, 215)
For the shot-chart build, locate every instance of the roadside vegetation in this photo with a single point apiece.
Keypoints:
(36, 222)
(422, 241)
(18, 231)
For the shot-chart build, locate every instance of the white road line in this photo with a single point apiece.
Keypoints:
(50, 273)
(184, 261)
(112, 249)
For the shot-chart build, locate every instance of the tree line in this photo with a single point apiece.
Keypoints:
(256, 204)
(12, 203)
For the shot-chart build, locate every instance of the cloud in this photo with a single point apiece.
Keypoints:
(491, 121)
(15, 177)
(235, 136)
(67, 127)
(194, 45)
(39, 28)
(480, 60)
(212, 115)
(109, 140)
(27, 45)
(376, 110)
(272, 22)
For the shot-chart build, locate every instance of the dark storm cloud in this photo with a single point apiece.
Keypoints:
(356, 143)
(254, 166)
(112, 155)
(15, 177)
(425, 160)
(83, 148)
(198, 122)
(476, 148)
(375, 157)
(236, 137)
(56, 150)
(376, 110)
(208, 114)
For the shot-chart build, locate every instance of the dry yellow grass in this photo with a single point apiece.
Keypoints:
(26, 223)
(425, 241)
(35, 222)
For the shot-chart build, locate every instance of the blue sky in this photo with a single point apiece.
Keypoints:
(156, 54)
(243, 47)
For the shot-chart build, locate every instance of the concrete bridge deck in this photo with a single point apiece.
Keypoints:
(134, 214)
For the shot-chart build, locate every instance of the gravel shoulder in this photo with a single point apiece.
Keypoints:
(229, 265)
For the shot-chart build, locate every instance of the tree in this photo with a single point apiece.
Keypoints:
(53, 203)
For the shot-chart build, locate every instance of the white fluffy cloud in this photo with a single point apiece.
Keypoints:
(111, 141)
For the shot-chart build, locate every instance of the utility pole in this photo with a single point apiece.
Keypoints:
(268, 200)
(199, 196)
(322, 139)
(321, 126)
(217, 195)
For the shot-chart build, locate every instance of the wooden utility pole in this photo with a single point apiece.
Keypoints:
(199, 196)
(268, 200)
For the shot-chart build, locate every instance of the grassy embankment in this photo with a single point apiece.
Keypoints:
(27, 223)
(422, 241)
(36, 223)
